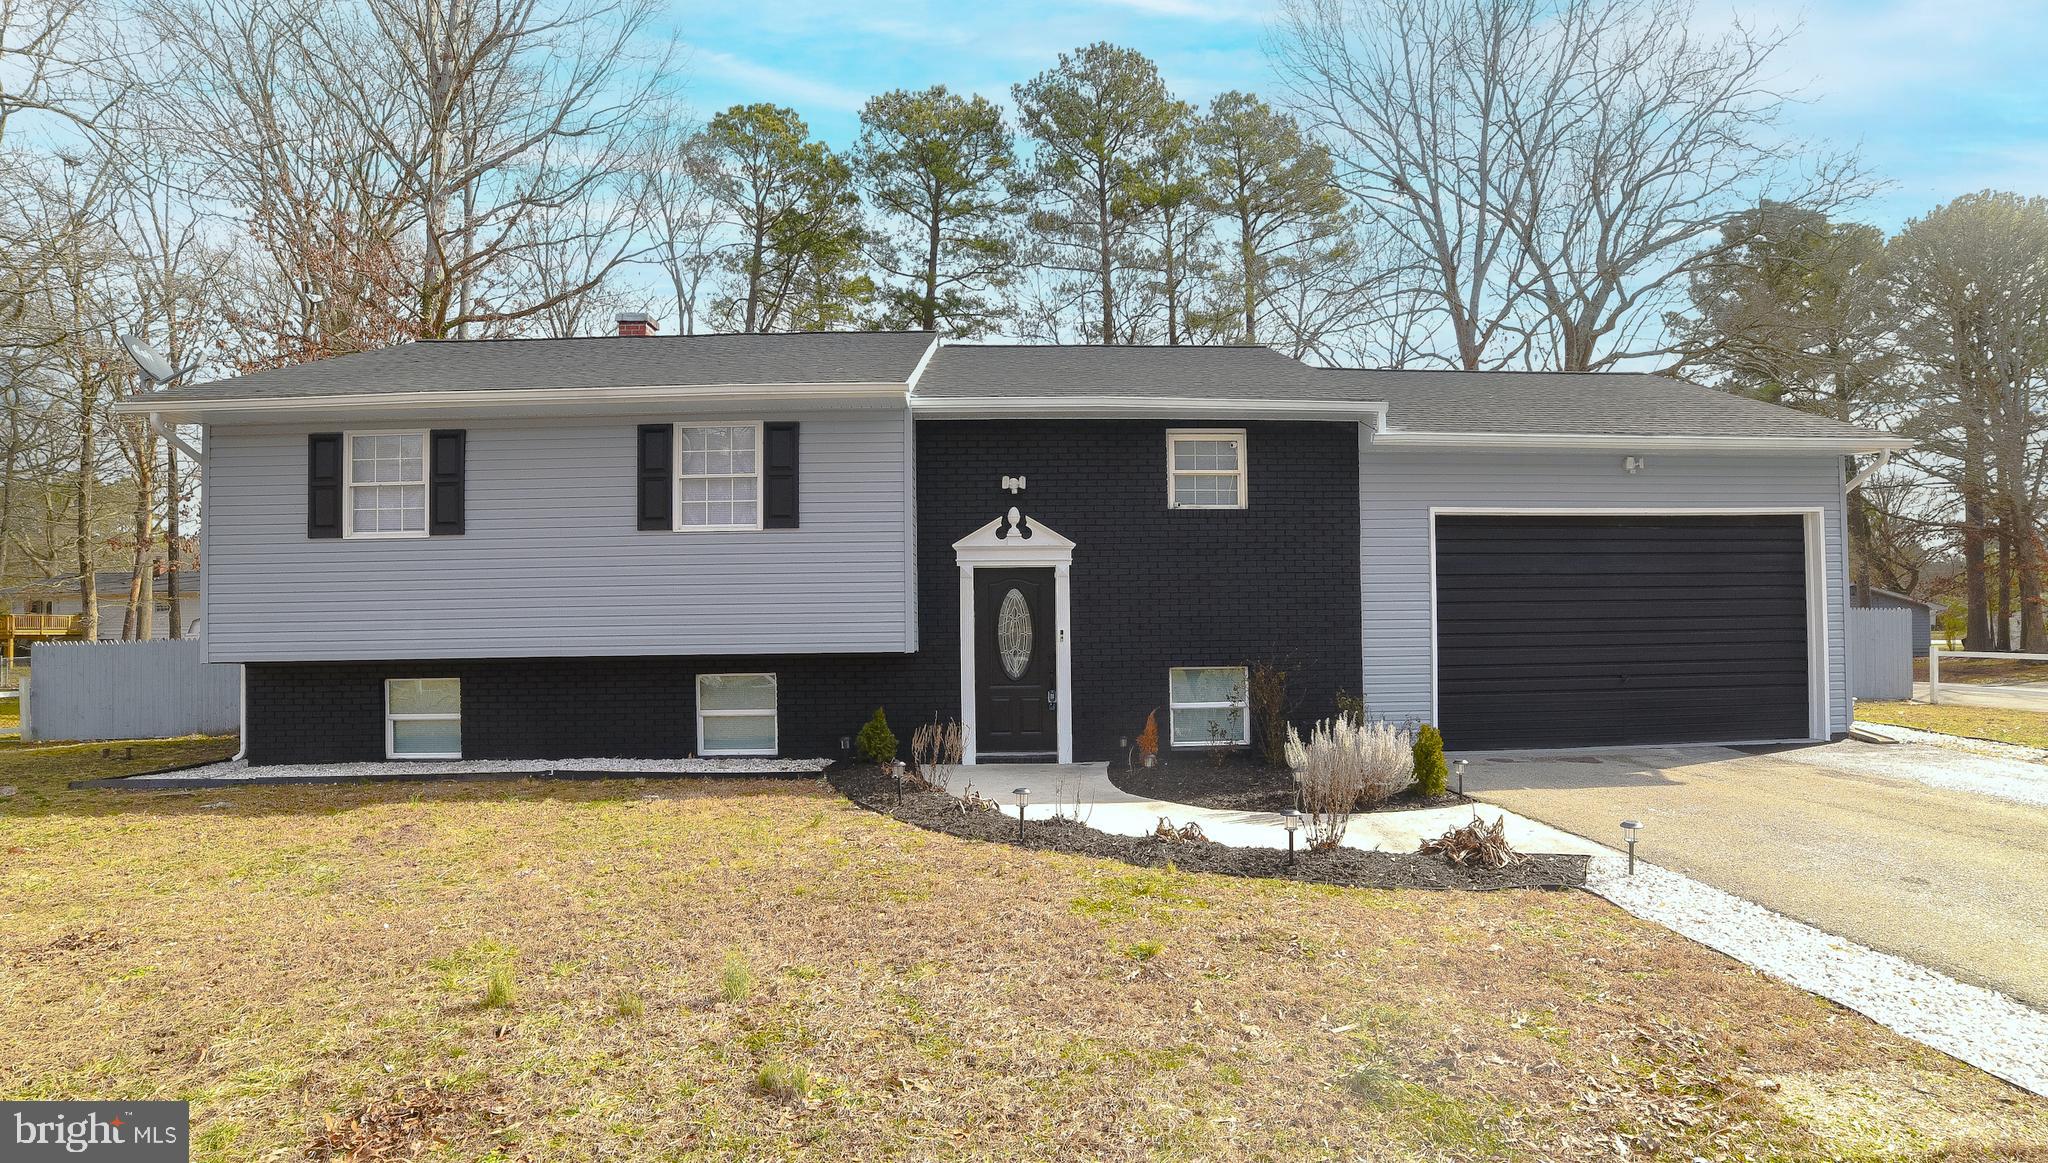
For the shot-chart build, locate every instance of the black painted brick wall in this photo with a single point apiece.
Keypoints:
(1153, 588)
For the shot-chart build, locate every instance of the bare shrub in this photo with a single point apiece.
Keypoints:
(1343, 767)
(936, 748)
(1269, 708)
(1170, 832)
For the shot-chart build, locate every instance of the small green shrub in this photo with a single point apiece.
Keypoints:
(876, 741)
(1432, 775)
(735, 978)
(498, 991)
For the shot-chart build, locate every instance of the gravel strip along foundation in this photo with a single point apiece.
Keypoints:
(234, 773)
(1980, 1026)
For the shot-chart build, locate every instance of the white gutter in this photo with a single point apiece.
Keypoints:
(1588, 441)
(1143, 407)
(484, 399)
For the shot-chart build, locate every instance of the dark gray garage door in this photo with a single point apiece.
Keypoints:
(1587, 631)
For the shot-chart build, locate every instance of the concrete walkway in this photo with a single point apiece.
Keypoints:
(1839, 835)
(1083, 791)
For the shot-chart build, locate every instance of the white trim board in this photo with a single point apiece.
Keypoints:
(1819, 691)
(473, 400)
(1731, 445)
(1044, 549)
(1141, 407)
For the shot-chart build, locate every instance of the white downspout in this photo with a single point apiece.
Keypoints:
(1884, 457)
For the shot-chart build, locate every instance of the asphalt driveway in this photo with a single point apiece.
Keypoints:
(1833, 835)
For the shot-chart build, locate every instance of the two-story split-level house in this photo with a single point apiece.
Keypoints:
(743, 545)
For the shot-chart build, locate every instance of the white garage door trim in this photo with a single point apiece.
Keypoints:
(1815, 521)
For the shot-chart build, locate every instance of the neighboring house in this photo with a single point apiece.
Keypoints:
(739, 545)
(57, 597)
(1923, 612)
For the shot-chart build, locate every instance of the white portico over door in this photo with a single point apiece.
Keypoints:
(1016, 641)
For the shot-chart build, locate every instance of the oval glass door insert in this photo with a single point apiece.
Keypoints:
(1013, 633)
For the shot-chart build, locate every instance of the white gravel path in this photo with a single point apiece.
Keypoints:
(2019, 774)
(1980, 1026)
(287, 772)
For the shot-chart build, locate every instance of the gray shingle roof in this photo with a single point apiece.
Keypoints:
(992, 371)
(839, 357)
(1578, 403)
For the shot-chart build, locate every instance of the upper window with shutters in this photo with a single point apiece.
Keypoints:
(385, 484)
(728, 476)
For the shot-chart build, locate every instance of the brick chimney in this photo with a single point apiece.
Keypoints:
(636, 323)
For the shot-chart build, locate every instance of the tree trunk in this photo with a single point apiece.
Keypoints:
(1976, 622)
(928, 311)
(139, 623)
(1103, 248)
(2002, 630)
(1247, 257)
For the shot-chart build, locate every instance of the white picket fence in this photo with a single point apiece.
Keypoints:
(129, 690)
(1880, 653)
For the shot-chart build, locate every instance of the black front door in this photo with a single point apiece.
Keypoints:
(1013, 663)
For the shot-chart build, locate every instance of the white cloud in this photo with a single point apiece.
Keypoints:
(780, 86)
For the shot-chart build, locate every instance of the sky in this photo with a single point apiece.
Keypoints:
(1941, 97)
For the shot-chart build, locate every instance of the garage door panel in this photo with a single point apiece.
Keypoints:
(1582, 631)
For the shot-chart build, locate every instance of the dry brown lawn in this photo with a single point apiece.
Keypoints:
(1992, 671)
(2000, 724)
(719, 970)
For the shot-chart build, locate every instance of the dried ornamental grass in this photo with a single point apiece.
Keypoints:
(1345, 766)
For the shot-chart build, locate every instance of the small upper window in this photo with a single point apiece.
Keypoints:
(387, 484)
(1209, 706)
(719, 477)
(1205, 468)
(736, 714)
(423, 718)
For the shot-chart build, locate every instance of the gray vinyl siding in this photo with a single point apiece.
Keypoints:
(1398, 487)
(551, 564)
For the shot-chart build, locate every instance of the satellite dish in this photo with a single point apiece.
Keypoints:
(155, 367)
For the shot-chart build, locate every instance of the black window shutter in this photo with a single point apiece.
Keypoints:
(445, 476)
(657, 488)
(323, 484)
(779, 478)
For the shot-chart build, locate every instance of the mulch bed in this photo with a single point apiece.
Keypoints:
(1238, 785)
(1353, 868)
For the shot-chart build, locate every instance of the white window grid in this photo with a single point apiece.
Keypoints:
(720, 477)
(1211, 474)
(383, 486)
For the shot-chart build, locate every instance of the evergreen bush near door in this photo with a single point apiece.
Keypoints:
(876, 741)
(1432, 776)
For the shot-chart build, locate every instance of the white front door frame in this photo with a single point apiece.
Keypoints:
(1013, 541)
(1819, 691)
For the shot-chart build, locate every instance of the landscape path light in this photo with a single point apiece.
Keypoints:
(1460, 765)
(1629, 830)
(1292, 822)
(1022, 794)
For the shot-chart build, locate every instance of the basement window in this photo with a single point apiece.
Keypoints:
(423, 718)
(1209, 706)
(736, 714)
(1205, 468)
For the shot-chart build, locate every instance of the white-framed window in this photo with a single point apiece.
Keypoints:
(736, 714)
(1209, 706)
(384, 478)
(423, 718)
(718, 477)
(1205, 468)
